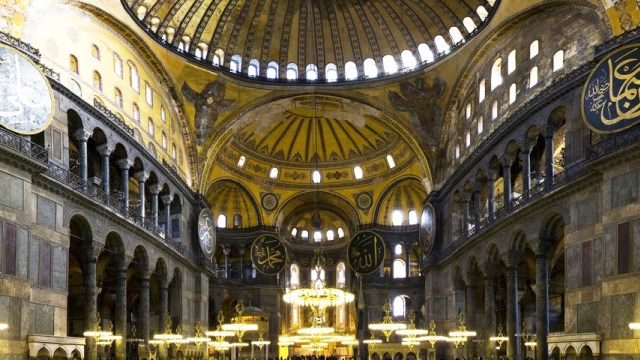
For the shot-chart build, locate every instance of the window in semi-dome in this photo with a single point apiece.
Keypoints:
(134, 77)
(398, 249)
(331, 72)
(511, 62)
(294, 280)
(341, 277)
(426, 55)
(467, 139)
(218, 57)
(216, 60)
(235, 65)
(148, 93)
(496, 73)
(273, 173)
(174, 151)
(494, 110)
(330, 235)
(164, 140)
(399, 269)
(389, 64)
(292, 72)
(441, 45)
(151, 128)
(163, 114)
(370, 68)
(253, 69)
(316, 177)
(237, 221)
(357, 172)
(117, 97)
(117, 65)
(95, 51)
(558, 60)
(480, 125)
(317, 236)
(456, 35)
(164, 37)
(408, 60)
(467, 111)
(136, 113)
(304, 235)
(413, 217)
(294, 232)
(533, 76)
(311, 72)
(457, 152)
(398, 306)
(482, 12)
(222, 221)
(181, 46)
(272, 70)
(390, 162)
(198, 53)
(340, 233)
(241, 160)
(350, 71)
(396, 217)
(482, 89)
(97, 80)
(469, 25)
(512, 93)
(533, 49)
(73, 63)
(141, 12)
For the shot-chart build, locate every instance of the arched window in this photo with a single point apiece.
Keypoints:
(181, 46)
(174, 151)
(558, 60)
(218, 57)
(97, 80)
(316, 176)
(292, 72)
(469, 25)
(163, 114)
(533, 49)
(467, 111)
(391, 162)
(456, 35)
(480, 125)
(273, 173)
(117, 65)
(426, 55)
(482, 12)
(136, 113)
(512, 93)
(241, 161)
(357, 172)
(389, 64)
(164, 140)
(511, 62)
(370, 68)
(294, 280)
(134, 77)
(169, 32)
(151, 128)
(117, 96)
(330, 235)
(533, 76)
(408, 60)
(331, 72)
(272, 70)
(341, 275)
(399, 306)
(148, 93)
(467, 139)
(95, 51)
(237, 221)
(340, 233)
(141, 12)
(413, 217)
(73, 64)
(198, 53)
(235, 65)
(494, 110)
(317, 236)
(215, 61)
(222, 221)
(399, 269)
(294, 232)
(396, 218)
(304, 235)
(253, 69)
(496, 73)
(350, 71)
(457, 152)
(482, 88)
(398, 249)
(441, 45)
(311, 72)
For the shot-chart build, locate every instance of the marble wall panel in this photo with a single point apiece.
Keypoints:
(46, 212)
(621, 314)
(635, 244)
(34, 264)
(574, 266)
(588, 211)
(59, 268)
(22, 253)
(610, 251)
(587, 317)
(624, 189)
(12, 189)
(598, 260)
(11, 314)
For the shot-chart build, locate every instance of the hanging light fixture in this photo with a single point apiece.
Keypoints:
(387, 326)
(411, 332)
(198, 339)
(238, 326)
(168, 336)
(500, 338)
(432, 337)
(460, 335)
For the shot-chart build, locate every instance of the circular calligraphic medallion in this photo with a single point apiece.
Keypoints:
(26, 99)
(364, 200)
(366, 252)
(207, 233)
(268, 255)
(427, 229)
(269, 201)
(610, 101)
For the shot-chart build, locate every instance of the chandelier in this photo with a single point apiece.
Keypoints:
(411, 332)
(432, 337)
(238, 326)
(102, 337)
(460, 335)
(198, 338)
(387, 326)
(168, 336)
(372, 340)
(500, 338)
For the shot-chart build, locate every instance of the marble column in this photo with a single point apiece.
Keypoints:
(124, 165)
(491, 178)
(227, 252)
(470, 304)
(163, 287)
(464, 201)
(513, 313)
(526, 169)
(490, 313)
(120, 327)
(476, 205)
(143, 311)
(166, 200)
(141, 177)
(542, 305)
(506, 162)
(407, 259)
(82, 136)
(154, 190)
(241, 251)
(548, 132)
(104, 151)
(91, 298)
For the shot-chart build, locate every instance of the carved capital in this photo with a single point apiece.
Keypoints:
(527, 145)
(506, 160)
(464, 197)
(124, 164)
(226, 251)
(513, 259)
(166, 199)
(155, 189)
(548, 131)
(105, 149)
(141, 176)
(492, 175)
(92, 251)
(82, 134)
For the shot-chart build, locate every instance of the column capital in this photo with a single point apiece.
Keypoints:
(548, 131)
(143, 272)
(105, 149)
(241, 250)
(154, 189)
(506, 160)
(92, 251)
(82, 134)
(542, 247)
(166, 199)
(464, 196)
(226, 250)
(513, 259)
(492, 175)
(527, 145)
(124, 163)
(141, 176)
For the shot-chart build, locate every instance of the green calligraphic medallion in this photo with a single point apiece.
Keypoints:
(268, 255)
(427, 229)
(26, 99)
(611, 96)
(366, 252)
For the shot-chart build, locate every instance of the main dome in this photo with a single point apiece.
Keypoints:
(310, 40)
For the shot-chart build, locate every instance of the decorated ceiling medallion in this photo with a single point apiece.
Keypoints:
(269, 201)
(26, 99)
(268, 255)
(366, 252)
(364, 200)
(207, 233)
(610, 101)
(427, 229)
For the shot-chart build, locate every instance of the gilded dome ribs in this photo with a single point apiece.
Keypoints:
(308, 142)
(166, 20)
(268, 33)
(323, 146)
(368, 30)
(357, 131)
(284, 132)
(292, 142)
(286, 33)
(348, 134)
(302, 35)
(422, 29)
(318, 37)
(442, 29)
(337, 141)
(238, 27)
(410, 43)
(202, 25)
(384, 27)
(186, 20)
(335, 37)
(351, 32)
(220, 25)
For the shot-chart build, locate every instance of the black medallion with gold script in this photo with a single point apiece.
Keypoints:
(611, 96)
(427, 229)
(268, 255)
(366, 252)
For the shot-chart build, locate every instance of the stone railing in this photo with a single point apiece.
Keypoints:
(19, 144)
(614, 143)
(113, 117)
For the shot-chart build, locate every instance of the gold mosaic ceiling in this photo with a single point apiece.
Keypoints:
(307, 31)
